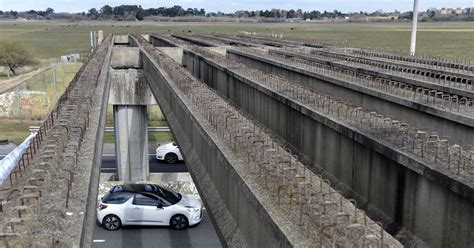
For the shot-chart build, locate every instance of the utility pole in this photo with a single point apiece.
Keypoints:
(413, 28)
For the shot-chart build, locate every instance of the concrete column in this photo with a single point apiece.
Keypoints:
(131, 142)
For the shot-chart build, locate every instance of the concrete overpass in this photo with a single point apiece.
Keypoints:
(289, 143)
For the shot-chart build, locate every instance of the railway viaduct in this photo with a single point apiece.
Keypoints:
(289, 143)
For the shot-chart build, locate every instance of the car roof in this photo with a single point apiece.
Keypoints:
(129, 187)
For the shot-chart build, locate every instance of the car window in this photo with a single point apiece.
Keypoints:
(168, 195)
(147, 200)
(116, 198)
(149, 188)
(117, 188)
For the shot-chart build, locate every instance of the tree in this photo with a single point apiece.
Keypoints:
(290, 14)
(49, 11)
(106, 10)
(202, 12)
(14, 55)
(93, 14)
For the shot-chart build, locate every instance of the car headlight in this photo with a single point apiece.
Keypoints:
(191, 209)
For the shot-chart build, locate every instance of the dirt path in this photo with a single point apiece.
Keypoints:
(6, 85)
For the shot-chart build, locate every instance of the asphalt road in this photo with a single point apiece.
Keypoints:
(200, 236)
(109, 165)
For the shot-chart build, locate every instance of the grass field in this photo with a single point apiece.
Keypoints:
(52, 38)
(16, 130)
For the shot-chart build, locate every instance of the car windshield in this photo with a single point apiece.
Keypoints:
(168, 195)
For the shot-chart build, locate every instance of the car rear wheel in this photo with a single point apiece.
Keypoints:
(179, 222)
(111, 222)
(171, 158)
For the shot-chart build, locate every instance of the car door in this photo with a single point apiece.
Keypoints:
(145, 210)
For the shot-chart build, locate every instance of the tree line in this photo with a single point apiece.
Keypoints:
(136, 12)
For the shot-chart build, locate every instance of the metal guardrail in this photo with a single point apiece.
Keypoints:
(111, 129)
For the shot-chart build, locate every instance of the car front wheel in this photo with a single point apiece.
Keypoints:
(111, 222)
(179, 222)
(171, 158)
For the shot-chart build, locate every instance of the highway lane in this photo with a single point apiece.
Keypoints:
(109, 164)
(202, 236)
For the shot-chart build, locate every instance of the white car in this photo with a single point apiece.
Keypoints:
(147, 204)
(169, 153)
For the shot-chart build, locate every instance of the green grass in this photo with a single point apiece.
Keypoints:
(52, 38)
(16, 131)
(157, 123)
(152, 137)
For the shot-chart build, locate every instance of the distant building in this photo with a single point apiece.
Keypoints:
(458, 11)
(446, 11)
(21, 19)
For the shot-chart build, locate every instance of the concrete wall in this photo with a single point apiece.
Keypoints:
(455, 126)
(240, 218)
(388, 184)
(125, 57)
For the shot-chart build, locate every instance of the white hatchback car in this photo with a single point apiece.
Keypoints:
(147, 204)
(169, 153)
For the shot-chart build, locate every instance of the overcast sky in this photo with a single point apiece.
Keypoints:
(231, 6)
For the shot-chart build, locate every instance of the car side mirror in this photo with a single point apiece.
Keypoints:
(160, 205)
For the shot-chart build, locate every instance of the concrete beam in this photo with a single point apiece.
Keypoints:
(381, 74)
(160, 42)
(198, 42)
(176, 53)
(391, 185)
(121, 40)
(239, 216)
(125, 57)
(95, 137)
(446, 123)
(129, 87)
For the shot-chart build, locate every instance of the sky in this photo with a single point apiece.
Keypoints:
(231, 6)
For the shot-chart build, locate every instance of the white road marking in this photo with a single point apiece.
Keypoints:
(98, 240)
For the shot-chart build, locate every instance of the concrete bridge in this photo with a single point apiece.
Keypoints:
(289, 143)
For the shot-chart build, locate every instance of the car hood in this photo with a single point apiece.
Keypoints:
(188, 200)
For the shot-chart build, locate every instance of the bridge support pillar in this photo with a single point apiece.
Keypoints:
(131, 142)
